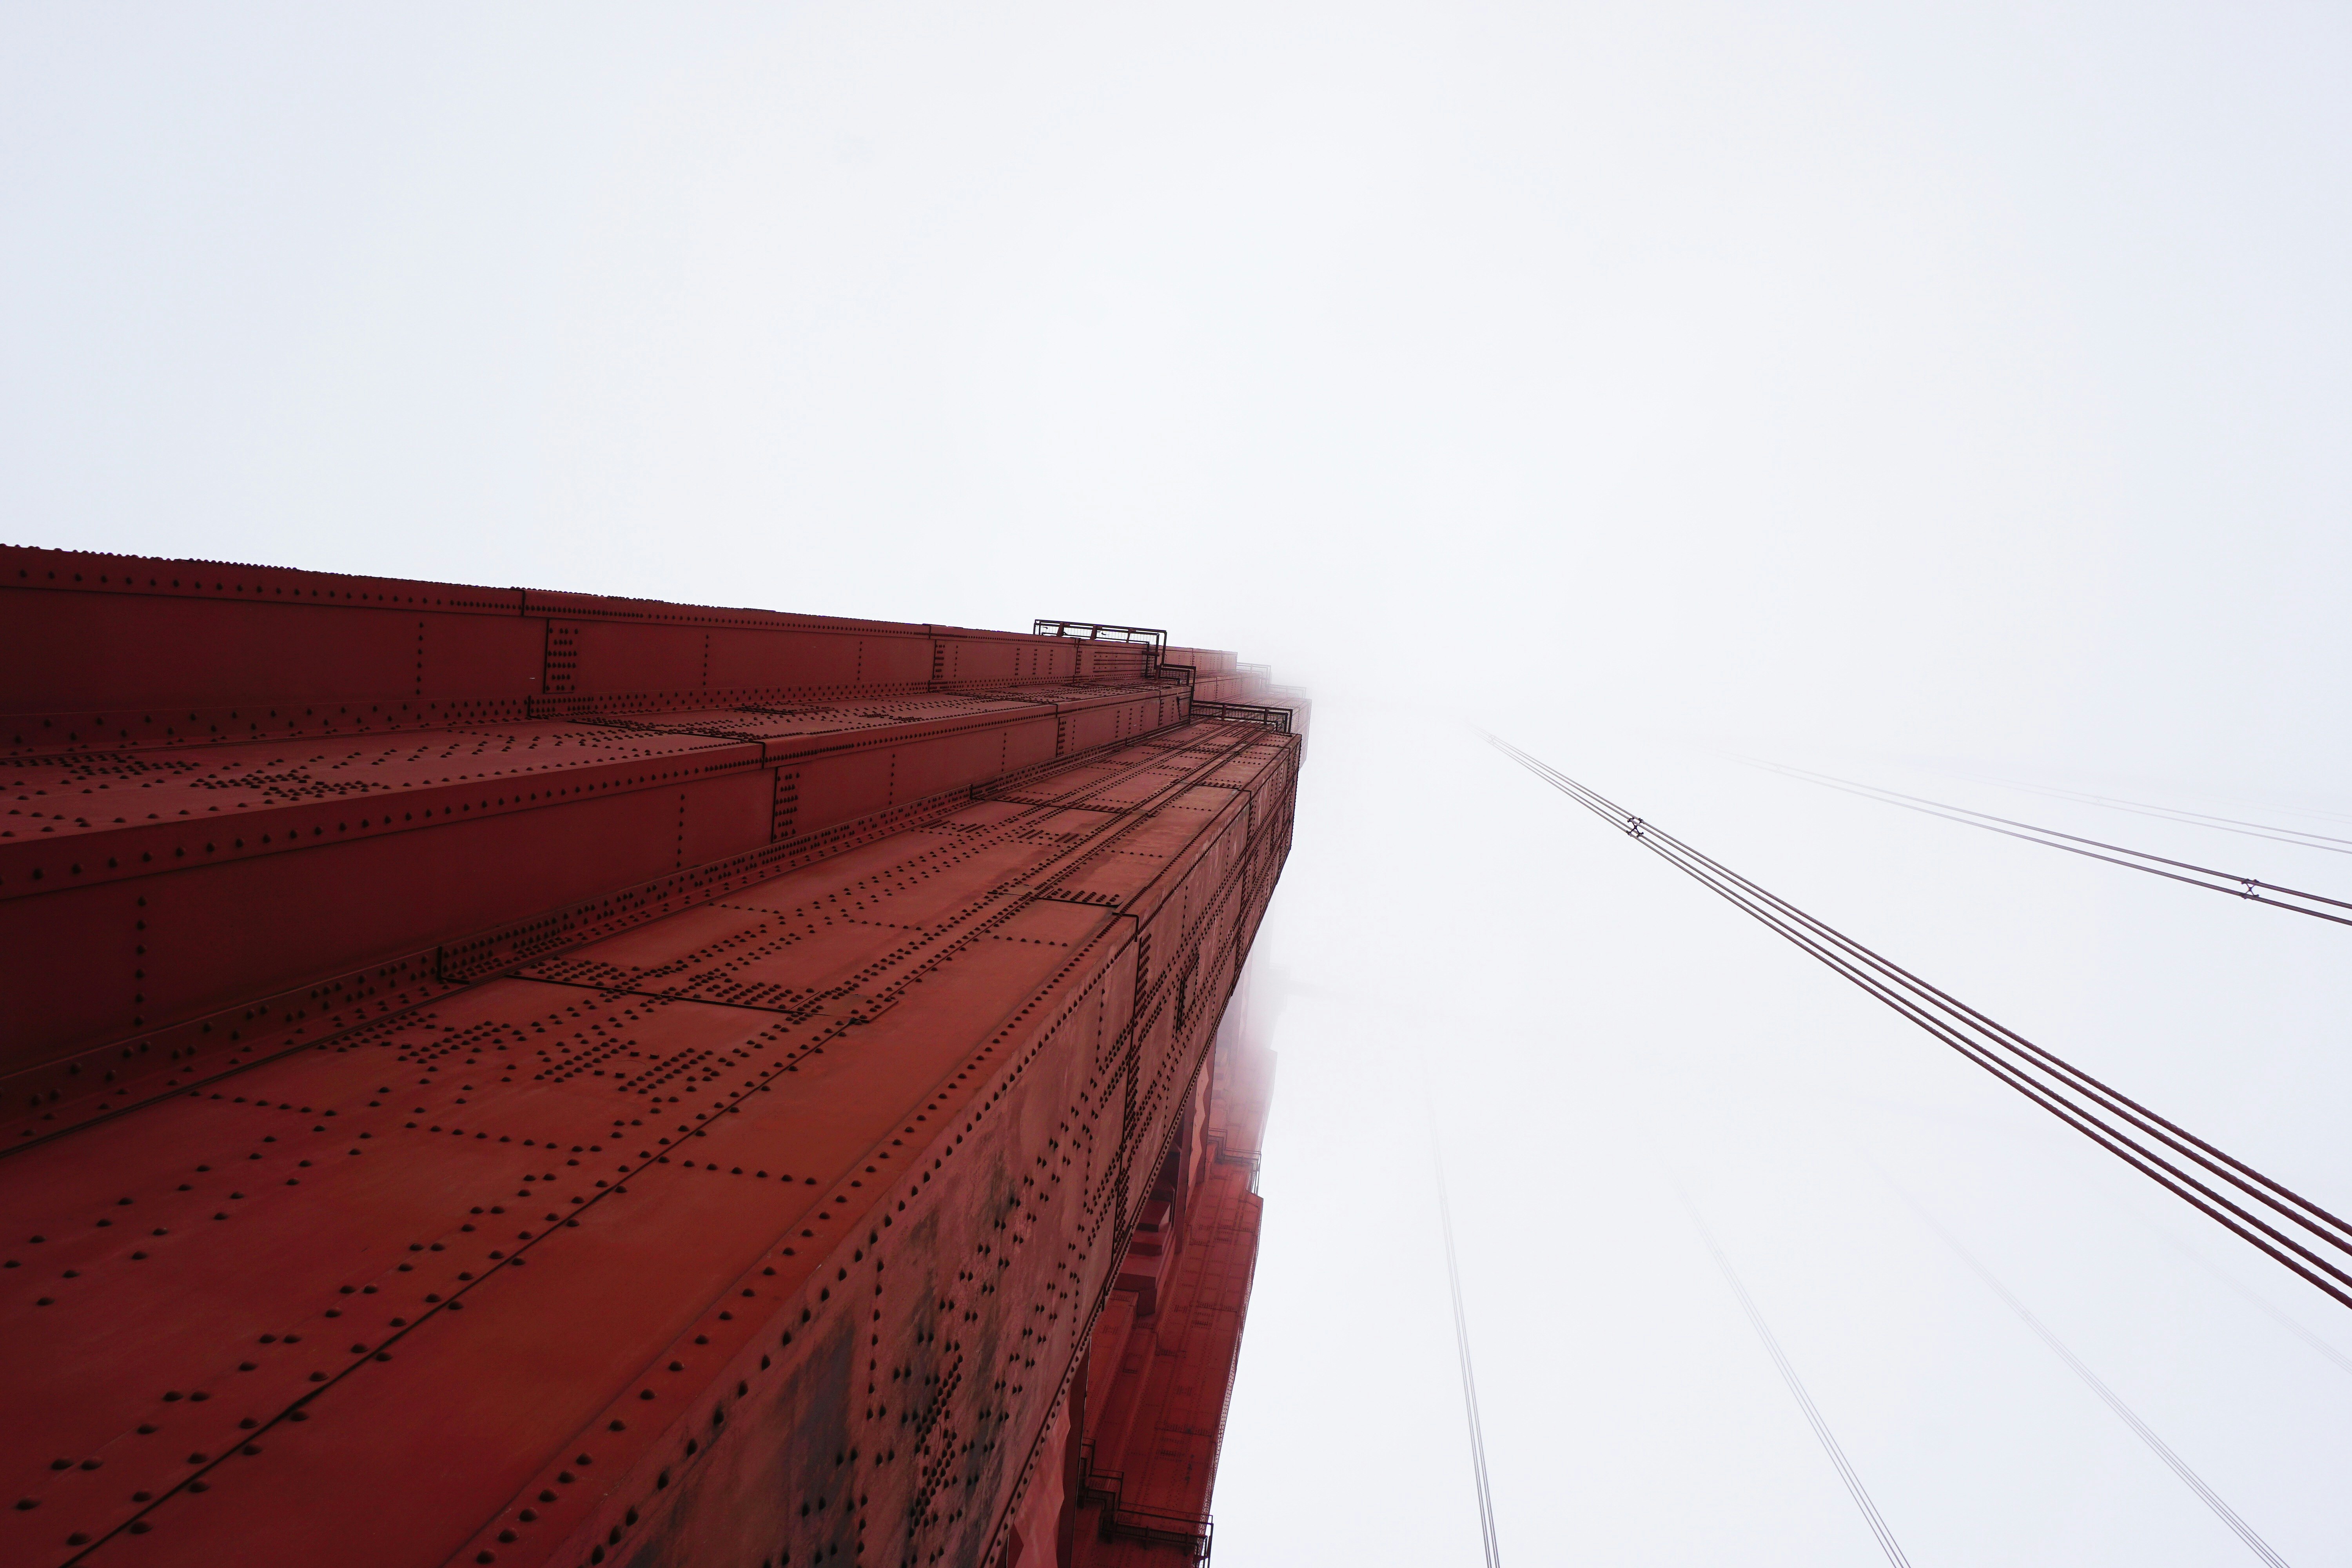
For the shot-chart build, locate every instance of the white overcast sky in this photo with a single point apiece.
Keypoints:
(1951, 393)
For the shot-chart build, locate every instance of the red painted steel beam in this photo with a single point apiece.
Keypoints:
(316, 762)
(759, 1210)
(1160, 1365)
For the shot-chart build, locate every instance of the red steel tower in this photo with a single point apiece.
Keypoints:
(494, 1076)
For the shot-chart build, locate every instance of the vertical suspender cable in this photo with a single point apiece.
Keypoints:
(1846, 1473)
(2108, 1396)
(1462, 1348)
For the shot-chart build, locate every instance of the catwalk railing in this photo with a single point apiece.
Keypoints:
(1156, 638)
(1275, 719)
(1126, 1522)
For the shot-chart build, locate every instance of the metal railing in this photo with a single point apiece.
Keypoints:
(1100, 631)
(1275, 718)
(1152, 1526)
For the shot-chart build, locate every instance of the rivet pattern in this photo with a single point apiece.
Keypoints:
(765, 1203)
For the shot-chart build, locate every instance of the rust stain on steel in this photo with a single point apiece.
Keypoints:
(539, 1078)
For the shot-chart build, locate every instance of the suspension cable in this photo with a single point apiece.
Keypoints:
(2290, 1229)
(2252, 889)
(2238, 825)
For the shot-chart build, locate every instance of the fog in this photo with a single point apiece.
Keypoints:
(1951, 397)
